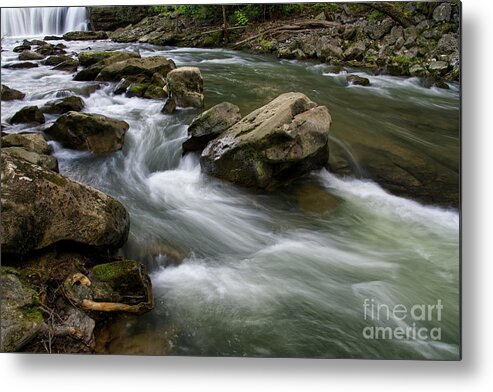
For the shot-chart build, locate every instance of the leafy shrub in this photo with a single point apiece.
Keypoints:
(240, 18)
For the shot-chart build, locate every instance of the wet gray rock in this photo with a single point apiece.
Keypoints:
(355, 52)
(21, 65)
(63, 105)
(87, 131)
(185, 87)
(442, 13)
(10, 94)
(56, 59)
(28, 114)
(274, 144)
(41, 208)
(210, 124)
(85, 35)
(34, 142)
(46, 161)
(358, 80)
(30, 55)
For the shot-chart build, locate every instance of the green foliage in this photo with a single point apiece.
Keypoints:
(374, 15)
(291, 9)
(401, 59)
(265, 44)
(330, 7)
(240, 18)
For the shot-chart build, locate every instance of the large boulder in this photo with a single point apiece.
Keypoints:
(84, 35)
(10, 94)
(34, 142)
(28, 114)
(136, 67)
(41, 208)
(276, 143)
(89, 58)
(357, 80)
(87, 131)
(64, 105)
(30, 55)
(21, 318)
(210, 124)
(186, 87)
(92, 71)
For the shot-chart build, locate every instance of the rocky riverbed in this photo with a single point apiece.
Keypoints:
(239, 184)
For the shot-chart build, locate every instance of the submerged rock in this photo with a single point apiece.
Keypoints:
(280, 141)
(10, 94)
(211, 124)
(87, 131)
(41, 208)
(358, 80)
(84, 35)
(28, 114)
(186, 87)
(63, 105)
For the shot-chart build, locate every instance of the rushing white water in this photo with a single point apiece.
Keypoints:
(242, 273)
(33, 21)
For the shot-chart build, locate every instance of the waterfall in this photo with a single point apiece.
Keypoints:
(33, 21)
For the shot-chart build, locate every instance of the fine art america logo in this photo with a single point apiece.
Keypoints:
(408, 321)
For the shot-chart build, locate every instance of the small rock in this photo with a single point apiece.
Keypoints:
(23, 65)
(28, 114)
(438, 68)
(67, 66)
(22, 48)
(358, 80)
(63, 105)
(10, 94)
(442, 13)
(155, 92)
(355, 52)
(30, 55)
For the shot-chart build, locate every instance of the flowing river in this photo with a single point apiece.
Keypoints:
(243, 273)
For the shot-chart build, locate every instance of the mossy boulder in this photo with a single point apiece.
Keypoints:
(21, 318)
(210, 124)
(85, 35)
(274, 144)
(87, 131)
(64, 105)
(155, 92)
(143, 67)
(56, 59)
(41, 208)
(51, 50)
(136, 90)
(10, 94)
(28, 114)
(92, 71)
(89, 58)
(186, 87)
(67, 66)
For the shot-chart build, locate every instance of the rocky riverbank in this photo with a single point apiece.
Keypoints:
(420, 39)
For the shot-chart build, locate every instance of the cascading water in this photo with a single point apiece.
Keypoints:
(18, 22)
(285, 273)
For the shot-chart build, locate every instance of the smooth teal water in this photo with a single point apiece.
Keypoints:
(241, 273)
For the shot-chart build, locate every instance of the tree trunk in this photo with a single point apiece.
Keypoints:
(225, 24)
(392, 11)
